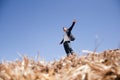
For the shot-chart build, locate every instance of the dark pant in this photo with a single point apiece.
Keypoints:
(67, 47)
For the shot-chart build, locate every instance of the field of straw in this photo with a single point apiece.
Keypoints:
(93, 66)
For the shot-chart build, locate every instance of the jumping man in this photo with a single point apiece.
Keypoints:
(68, 37)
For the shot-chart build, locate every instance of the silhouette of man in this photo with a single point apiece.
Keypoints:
(68, 37)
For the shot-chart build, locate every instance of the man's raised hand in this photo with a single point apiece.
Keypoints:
(74, 20)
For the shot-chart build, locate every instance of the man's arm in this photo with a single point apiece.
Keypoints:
(62, 41)
(71, 27)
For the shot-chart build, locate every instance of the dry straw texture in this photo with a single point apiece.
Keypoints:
(102, 66)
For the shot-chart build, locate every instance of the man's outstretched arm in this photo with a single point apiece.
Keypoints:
(71, 27)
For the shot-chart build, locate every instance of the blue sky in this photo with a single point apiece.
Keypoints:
(31, 26)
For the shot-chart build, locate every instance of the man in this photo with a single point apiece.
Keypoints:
(68, 37)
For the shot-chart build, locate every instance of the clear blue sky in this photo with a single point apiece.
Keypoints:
(31, 26)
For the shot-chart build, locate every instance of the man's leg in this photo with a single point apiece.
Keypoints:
(70, 48)
(66, 48)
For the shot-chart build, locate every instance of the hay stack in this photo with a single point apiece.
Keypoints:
(102, 66)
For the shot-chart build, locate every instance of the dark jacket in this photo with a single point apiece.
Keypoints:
(68, 31)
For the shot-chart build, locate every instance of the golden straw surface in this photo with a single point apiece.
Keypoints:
(93, 66)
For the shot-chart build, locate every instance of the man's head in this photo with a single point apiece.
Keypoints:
(64, 29)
